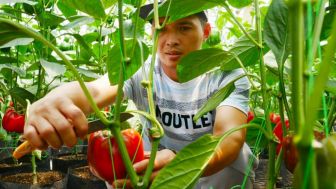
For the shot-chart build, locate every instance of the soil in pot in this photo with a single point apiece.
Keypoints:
(24, 180)
(81, 177)
(63, 162)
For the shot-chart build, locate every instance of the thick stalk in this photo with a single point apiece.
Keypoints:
(271, 144)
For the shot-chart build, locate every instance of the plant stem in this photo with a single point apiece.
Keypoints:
(318, 26)
(149, 169)
(227, 8)
(271, 145)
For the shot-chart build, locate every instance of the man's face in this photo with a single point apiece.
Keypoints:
(179, 38)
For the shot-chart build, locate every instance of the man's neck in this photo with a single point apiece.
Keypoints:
(170, 72)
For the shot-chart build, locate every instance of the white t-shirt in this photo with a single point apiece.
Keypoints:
(177, 103)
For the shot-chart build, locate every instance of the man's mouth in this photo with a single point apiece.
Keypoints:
(173, 55)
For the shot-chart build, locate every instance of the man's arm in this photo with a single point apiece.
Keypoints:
(227, 117)
(60, 117)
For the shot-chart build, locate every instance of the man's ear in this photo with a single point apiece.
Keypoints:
(206, 30)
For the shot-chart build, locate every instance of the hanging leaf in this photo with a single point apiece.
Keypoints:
(66, 10)
(93, 8)
(276, 30)
(215, 100)
(9, 32)
(17, 42)
(84, 45)
(53, 69)
(199, 62)
(18, 1)
(114, 59)
(49, 20)
(180, 9)
(239, 3)
(16, 69)
(89, 74)
(246, 51)
(77, 21)
(20, 95)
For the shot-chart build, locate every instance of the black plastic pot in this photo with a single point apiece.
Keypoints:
(22, 174)
(76, 179)
(63, 162)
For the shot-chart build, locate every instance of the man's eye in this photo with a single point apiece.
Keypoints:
(184, 28)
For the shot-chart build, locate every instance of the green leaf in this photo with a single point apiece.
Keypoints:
(16, 69)
(49, 20)
(276, 30)
(180, 9)
(109, 3)
(77, 21)
(114, 59)
(84, 45)
(21, 94)
(53, 69)
(5, 60)
(17, 42)
(66, 10)
(94, 8)
(239, 3)
(327, 24)
(254, 134)
(18, 1)
(188, 165)
(88, 73)
(198, 62)
(246, 51)
(215, 100)
(8, 33)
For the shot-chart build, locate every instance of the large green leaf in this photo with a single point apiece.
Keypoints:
(8, 33)
(17, 42)
(94, 8)
(180, 9)
(199, 62)
(53, 69)
(188, 165)
(239, 3)
(114, 59)
(276, 30)
(246, 51)
(66, 10)
(84, 45)
(76, 21)
(215, 100)
(18, 1)
(21, 94)
(49, 20)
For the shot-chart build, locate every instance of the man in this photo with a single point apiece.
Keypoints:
(59, 117)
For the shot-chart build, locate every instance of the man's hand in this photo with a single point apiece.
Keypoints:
(162, 158)
(54, 120)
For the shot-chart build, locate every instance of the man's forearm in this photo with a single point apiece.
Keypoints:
(226, 153)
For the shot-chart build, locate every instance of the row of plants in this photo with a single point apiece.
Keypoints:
(45, 43)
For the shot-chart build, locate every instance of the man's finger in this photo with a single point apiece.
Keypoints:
(122, 183)
(141, 165)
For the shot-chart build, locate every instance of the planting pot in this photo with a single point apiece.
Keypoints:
(10, 164)
(81, 177)
(63, 162)
(23, 179)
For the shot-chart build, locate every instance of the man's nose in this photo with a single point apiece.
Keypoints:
(172, 40)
